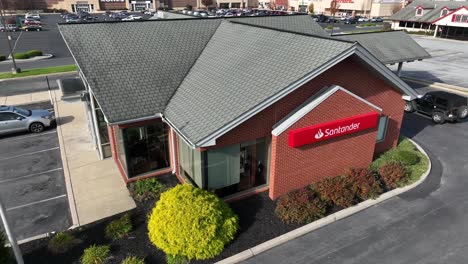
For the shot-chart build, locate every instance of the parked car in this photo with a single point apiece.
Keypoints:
(376, 19)
(363, 19)
(32, 16)
(15, 119)
(32, 28)
(351, 20)
(132, 18)
(9, 27)
(31, 21)
(321, 18)
(72, 19)
(148, 12)
(440, 106)
(332, 20)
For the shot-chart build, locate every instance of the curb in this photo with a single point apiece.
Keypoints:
(438, 85)
(249, 253)
(36, 58)
(39, 75)
(66, 171)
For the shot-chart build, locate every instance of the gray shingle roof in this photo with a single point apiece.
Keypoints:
(296, 23)
(389, 47)
(133, 68)
(241, 67)
(431, 12)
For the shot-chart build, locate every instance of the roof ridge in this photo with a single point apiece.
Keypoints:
(289, 31)
(369, 32)
(190, 69)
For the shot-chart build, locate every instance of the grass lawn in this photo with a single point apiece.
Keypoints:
(33, 72)
(414, 171)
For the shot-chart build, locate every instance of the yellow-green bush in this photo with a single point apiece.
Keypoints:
(191, 223)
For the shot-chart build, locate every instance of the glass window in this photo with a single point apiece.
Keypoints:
(119, 137)
(442, 102)
(237, 167)
(382, 128)
(146, 148)
(8, 116)
(190, 162)
(419, 11)
(444, 12)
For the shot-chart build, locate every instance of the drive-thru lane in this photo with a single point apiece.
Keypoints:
(425, 225)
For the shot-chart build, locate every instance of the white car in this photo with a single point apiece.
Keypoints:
(132, 18)
(33, 16)
(363, 19)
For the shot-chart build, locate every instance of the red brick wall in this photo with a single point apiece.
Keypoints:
(351, 75)
(293, 168)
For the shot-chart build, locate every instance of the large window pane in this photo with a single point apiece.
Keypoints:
(190, 162)
(223, 167)
(121, 148)
(146, 148)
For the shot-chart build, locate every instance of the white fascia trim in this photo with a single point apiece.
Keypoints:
(385, 71)
(288, 122)
(179, 133)
(205, 142)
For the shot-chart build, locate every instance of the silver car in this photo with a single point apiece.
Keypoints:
(15, 119)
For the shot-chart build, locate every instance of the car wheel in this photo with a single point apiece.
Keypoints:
(38, 30)
(409, 107)
(438, 117)
(463, 113)
(36, 127)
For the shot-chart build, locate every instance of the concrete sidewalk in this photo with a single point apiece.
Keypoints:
(95, 186)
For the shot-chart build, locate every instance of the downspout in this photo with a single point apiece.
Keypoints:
(173, 152)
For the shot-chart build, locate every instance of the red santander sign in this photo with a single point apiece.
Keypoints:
(333, 129)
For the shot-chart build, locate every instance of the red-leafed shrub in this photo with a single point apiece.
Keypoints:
(336, 190)
(392, 173)
(300, 207)
(363, 183)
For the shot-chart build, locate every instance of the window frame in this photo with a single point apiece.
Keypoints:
(419, 11)
(444, 12)
(384, 135)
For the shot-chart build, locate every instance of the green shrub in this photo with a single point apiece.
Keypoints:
(336, 190)
(329, 27)
(392, 173)
(408, 158)
(5, 254)
(132, 260)
(146, 189)
(62, 242)
(119, 227)
(95, 255)
(2, 57)
(191, 222)
(176, 259)
(21, 56)
(300, 207)
(363, 183)
(34, 53)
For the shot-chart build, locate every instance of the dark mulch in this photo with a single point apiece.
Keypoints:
(258, 223)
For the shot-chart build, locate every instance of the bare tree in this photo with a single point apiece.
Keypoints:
(310, 8)
(207, 3)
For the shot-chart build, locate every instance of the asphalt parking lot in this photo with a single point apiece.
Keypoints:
(32, 184)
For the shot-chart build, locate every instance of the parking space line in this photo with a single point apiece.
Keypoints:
(30, 136)
(16, 42)
(42, 201)
(26, 154)
(30, 175)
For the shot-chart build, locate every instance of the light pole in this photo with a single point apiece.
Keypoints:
(11, 238)
(15, 69)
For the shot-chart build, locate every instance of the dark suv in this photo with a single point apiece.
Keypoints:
(441, 106)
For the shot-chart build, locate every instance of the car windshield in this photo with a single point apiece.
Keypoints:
(22, 111)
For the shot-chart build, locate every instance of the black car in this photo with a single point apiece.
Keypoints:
(321, 18)
(351, 20)
(441, 106)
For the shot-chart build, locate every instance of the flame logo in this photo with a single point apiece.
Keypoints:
(319, 134)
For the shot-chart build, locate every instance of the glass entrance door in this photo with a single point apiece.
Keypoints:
(252, 164)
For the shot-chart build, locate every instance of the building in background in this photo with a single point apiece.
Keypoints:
(366, 8)
(447, 19)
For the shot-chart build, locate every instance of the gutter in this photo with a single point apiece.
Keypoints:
(140, 119)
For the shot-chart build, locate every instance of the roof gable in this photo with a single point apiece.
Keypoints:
(449, 14)
(311, 104)
(242, 69)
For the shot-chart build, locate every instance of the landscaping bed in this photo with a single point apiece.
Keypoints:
(260, 219)
(39, 71)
